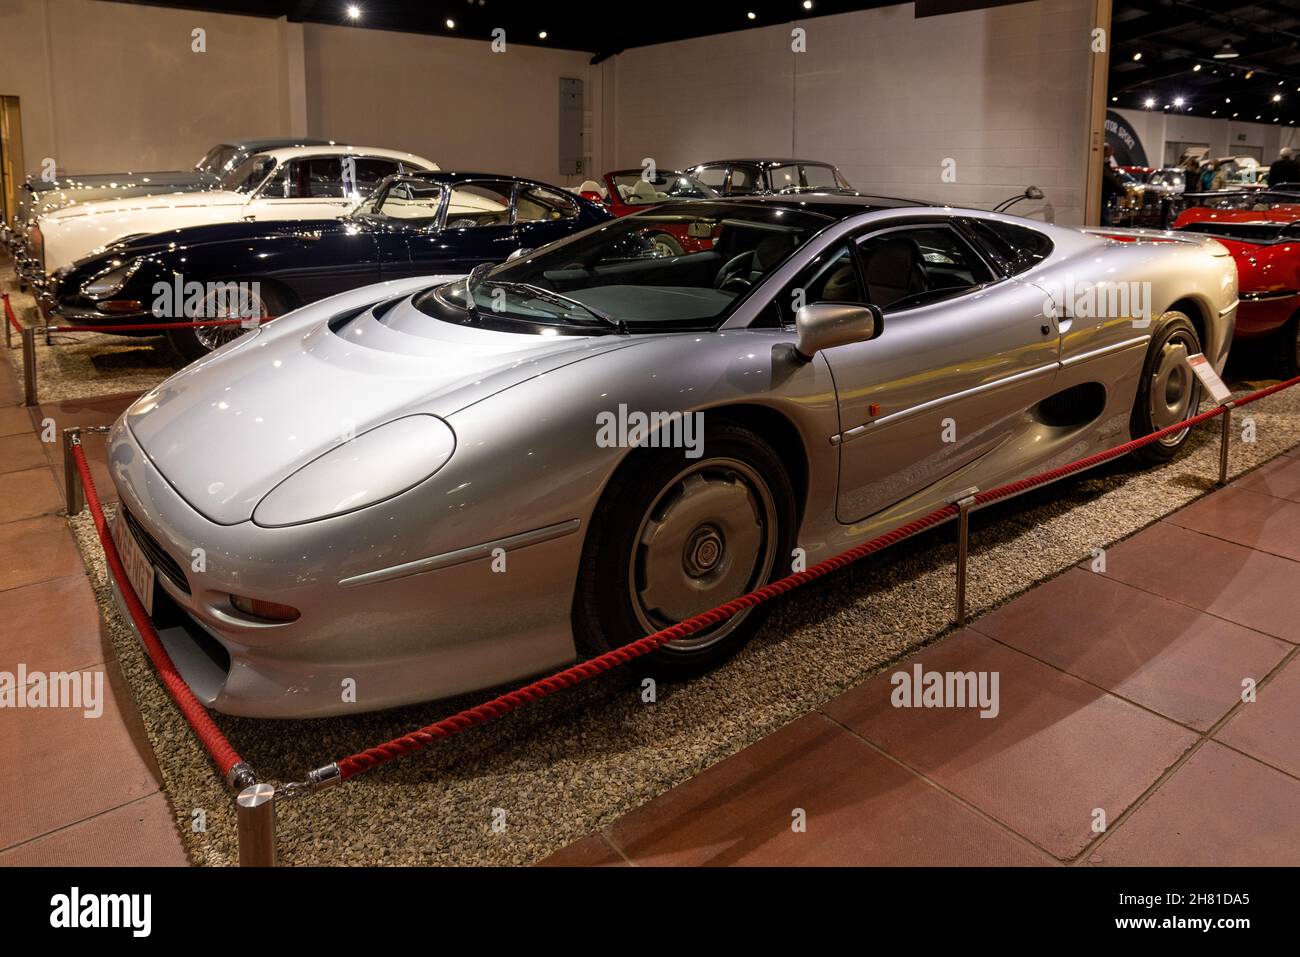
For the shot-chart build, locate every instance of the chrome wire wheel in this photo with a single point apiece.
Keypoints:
(709, 536)
(1173, 392)
(243, 305)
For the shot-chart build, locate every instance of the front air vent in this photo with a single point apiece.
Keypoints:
(156, 554)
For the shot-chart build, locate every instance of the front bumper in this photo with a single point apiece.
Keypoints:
(457, 628)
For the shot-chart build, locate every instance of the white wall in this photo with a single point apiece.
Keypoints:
(109, 86)
(887, 97)
(1155, 128)
(453, 101)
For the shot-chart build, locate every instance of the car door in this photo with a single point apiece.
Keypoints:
(962, 354)
(542, 216)
(477, 227)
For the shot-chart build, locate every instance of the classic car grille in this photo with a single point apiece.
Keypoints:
(157, 555)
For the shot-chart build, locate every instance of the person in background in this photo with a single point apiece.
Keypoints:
(1112, 187)
(1284, 169)
(1205, 177)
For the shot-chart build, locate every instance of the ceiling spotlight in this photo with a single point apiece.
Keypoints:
(1149, 102)
(451, 24)
(1277, 97)
(807, 4)
(354, 12)
(1227, 99)
(1260, 116)
(1166, 106)
(1249, 74)
(752, 15)
(1280, 82)
(1226, 52)
(1114, 99)
(541, 35)
(1197, 68)
(1212, 112)
(1178, 101)
(1235, 115)
(1137, 56)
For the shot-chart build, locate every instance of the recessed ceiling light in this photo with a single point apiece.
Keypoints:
(1249, 74)
(1178, 101)
(1137, 56)
(752, 15)
(1114, 99)
(354, 12)
(1226, 52)
(541, 35)
(807, 4)
(1197, 68)
(451, 24)
(1277, 97)
(1150, 102)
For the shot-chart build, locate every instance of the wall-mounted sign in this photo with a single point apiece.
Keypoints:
(1124, 141)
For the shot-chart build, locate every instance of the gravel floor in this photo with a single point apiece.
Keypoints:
(86, 365)
(574, 762)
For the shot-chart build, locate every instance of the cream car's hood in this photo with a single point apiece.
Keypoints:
(114, 207)
(231, 427)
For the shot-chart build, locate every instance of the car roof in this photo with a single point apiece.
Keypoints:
(298, 152)
(767, 162)
(830, 205)
(259, 143)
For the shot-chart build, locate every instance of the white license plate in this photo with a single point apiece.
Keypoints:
(139, 571)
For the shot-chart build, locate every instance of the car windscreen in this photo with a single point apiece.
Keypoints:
(248, 175)
(214, 162)
(623, 276)
(410, 202)
(806, 176)
(660, 186)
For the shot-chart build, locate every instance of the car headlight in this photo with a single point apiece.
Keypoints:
(374, 466)
(108, 283)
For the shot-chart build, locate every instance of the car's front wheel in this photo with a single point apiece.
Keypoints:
(675, 536)
(1168, 392)
(238, 301)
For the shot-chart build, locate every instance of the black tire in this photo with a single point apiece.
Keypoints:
(1163, 376)
(195, 343)
(648, 493)
(668, 244)
(1288, 345)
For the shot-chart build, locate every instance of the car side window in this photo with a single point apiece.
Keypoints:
(319, 177)
(919, 265)
(1016, 248)
(479, 203)
(833, 276)
(744, 180)
(537, 205)
(713, 176)
(369, 173)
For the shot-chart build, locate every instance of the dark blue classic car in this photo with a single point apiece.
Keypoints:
(442, 223)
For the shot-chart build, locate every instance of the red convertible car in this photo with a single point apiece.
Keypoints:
(627, 191)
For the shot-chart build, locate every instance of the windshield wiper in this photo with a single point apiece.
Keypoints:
(618, 325)
(472, 282)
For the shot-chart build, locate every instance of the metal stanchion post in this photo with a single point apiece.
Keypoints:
(72, 490)
(964, 502)
(1226, 438)
(256, 809)
(29, 366)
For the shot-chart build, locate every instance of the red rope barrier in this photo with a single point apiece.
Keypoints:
(10, 317)
(373, 757)
(223, 754)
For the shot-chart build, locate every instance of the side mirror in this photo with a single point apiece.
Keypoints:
(518, 253)
(824, 325)
(1033, 192)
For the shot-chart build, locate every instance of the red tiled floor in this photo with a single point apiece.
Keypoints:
(1269, 727)
(1279, 478)
(72, 766)
(861, 808)
(139, 834)
(1056, 750)
(1219, 809)
(86, 412)
(36, 550)
(592, 851)
(51, 626)
(27, 494)
(1253, 519)
(1185, 664)
(15, 420)
(1249, 587)
(19, 452)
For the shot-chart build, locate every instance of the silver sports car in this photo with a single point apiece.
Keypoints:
(417, 489)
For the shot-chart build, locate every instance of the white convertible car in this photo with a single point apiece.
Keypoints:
(305, 182)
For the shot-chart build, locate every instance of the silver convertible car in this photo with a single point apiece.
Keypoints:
(426, 487)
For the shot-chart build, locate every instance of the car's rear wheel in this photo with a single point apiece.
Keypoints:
(246, 303)
(1168, 392)
(673, 537)
(665, 245)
